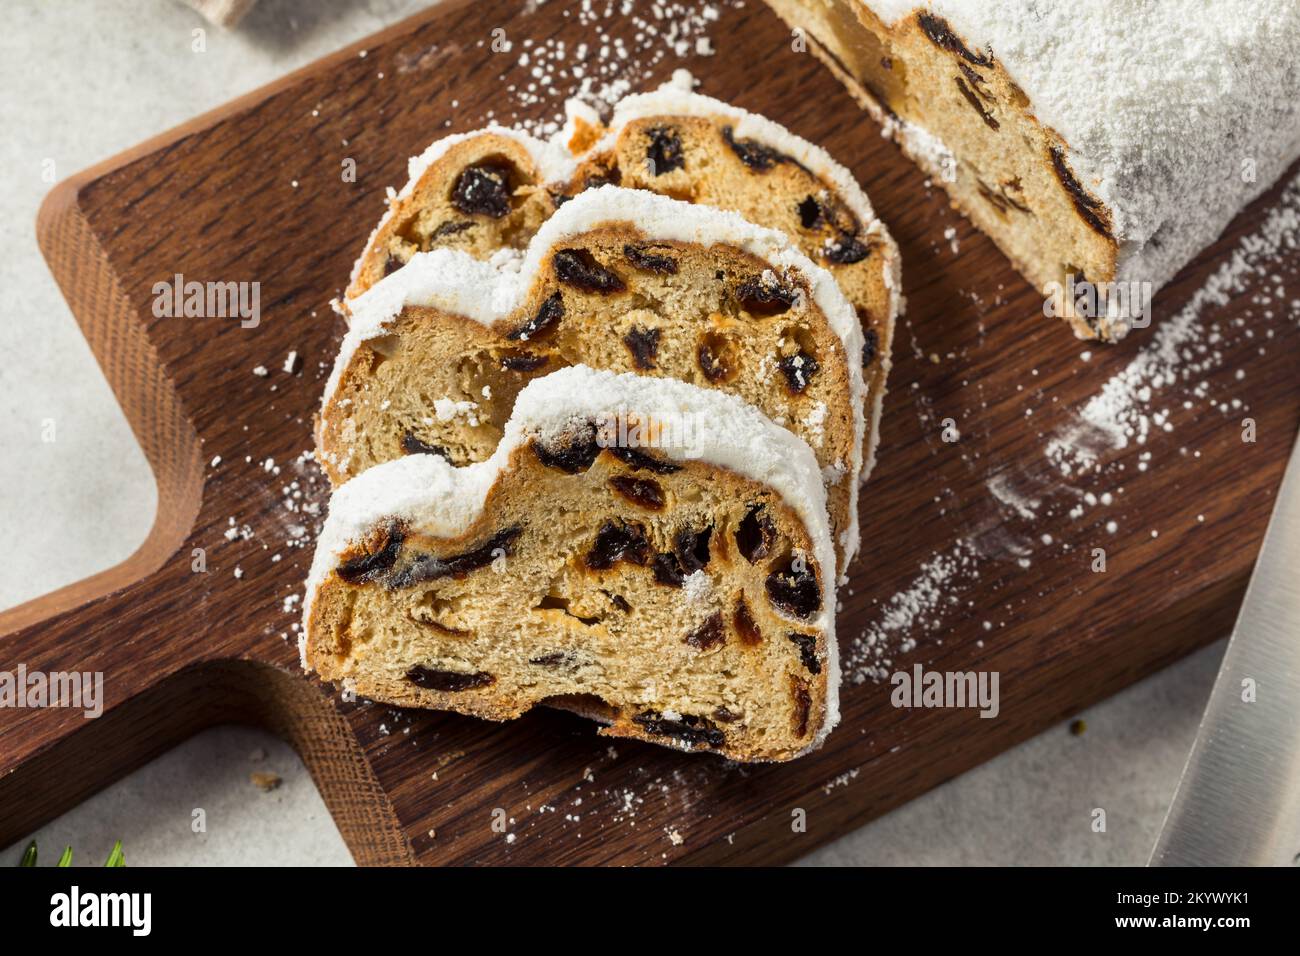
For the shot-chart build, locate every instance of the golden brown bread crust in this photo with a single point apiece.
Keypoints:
(1008, 173)
(538, 601)
(704, 315)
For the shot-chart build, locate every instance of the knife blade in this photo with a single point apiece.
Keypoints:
(1238, 801)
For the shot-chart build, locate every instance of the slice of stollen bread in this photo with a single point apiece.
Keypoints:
(492, 189)
(617, 279)
(652, 552)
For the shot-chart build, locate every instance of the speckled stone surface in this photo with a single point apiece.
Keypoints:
(115, 74)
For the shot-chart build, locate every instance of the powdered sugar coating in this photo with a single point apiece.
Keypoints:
(443, 500)
(456, 282)
(1176, 115)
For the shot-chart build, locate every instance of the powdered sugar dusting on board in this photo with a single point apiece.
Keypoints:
(1184, 349)
(626, 41)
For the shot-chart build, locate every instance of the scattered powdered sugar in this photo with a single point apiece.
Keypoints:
(697, 587)
(1183, 350)
(912, 611)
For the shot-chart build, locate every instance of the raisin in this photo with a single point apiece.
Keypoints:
(579, 268)
(711, 354)
(846, 250)
(810, 212)
(752, 153)
(429, 567)
(692, 549)
(644, 345)
(367, 567)
(941, 35)
(664, 153)
(870, 345)
(794, 589)
(638, 459)
(392, 264)
(648, 261)
(450, 228)
(1087, 207)
(448, 681)
(619, 602)
(551, 311)
(667, 569)
(412, 445)
(807, 645)
(483, 190)
(798, 370)
(725, 716)
(975, 103)
(574, 456)
(709, 634)
(765, 298)
(755, 534)
(743, 621)
(640, 491)
(688, 729)
(616, 541)
(522, 362)
(802, 706)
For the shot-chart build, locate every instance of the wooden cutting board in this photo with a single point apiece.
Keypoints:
(978, 551)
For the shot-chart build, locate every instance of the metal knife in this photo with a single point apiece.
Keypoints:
(1238, 802)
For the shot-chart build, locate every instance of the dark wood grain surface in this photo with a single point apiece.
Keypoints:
(254, 192)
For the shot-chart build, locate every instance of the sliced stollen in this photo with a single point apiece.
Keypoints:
(617, 279)
(1105, 140)
(484, 191)
(640, 549)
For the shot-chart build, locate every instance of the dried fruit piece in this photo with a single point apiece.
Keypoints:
(798, 370)
(522, 361)
(412, 445)
(810, 212)
(579, 268)
(643, 343)
(688, 729)
(752, 153)
(845, 250)
(1087, 207)
(617, 541)
(367, 567)
(429, 567)
(664, 152)
(575, 455)
(765, 297)
(794, 589)
(392, 264)
(709, 634)
(716, 357)
(448, 681)
(692, 549)
(975, 103)
(870, 345)
(941, 35)
(807, 645)
(483, 190)
(644, 492)
(755, 534)
(725, 716)
(668, 570)
(742, 619)
(645, 259)
(638, 459)
(550, 312)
